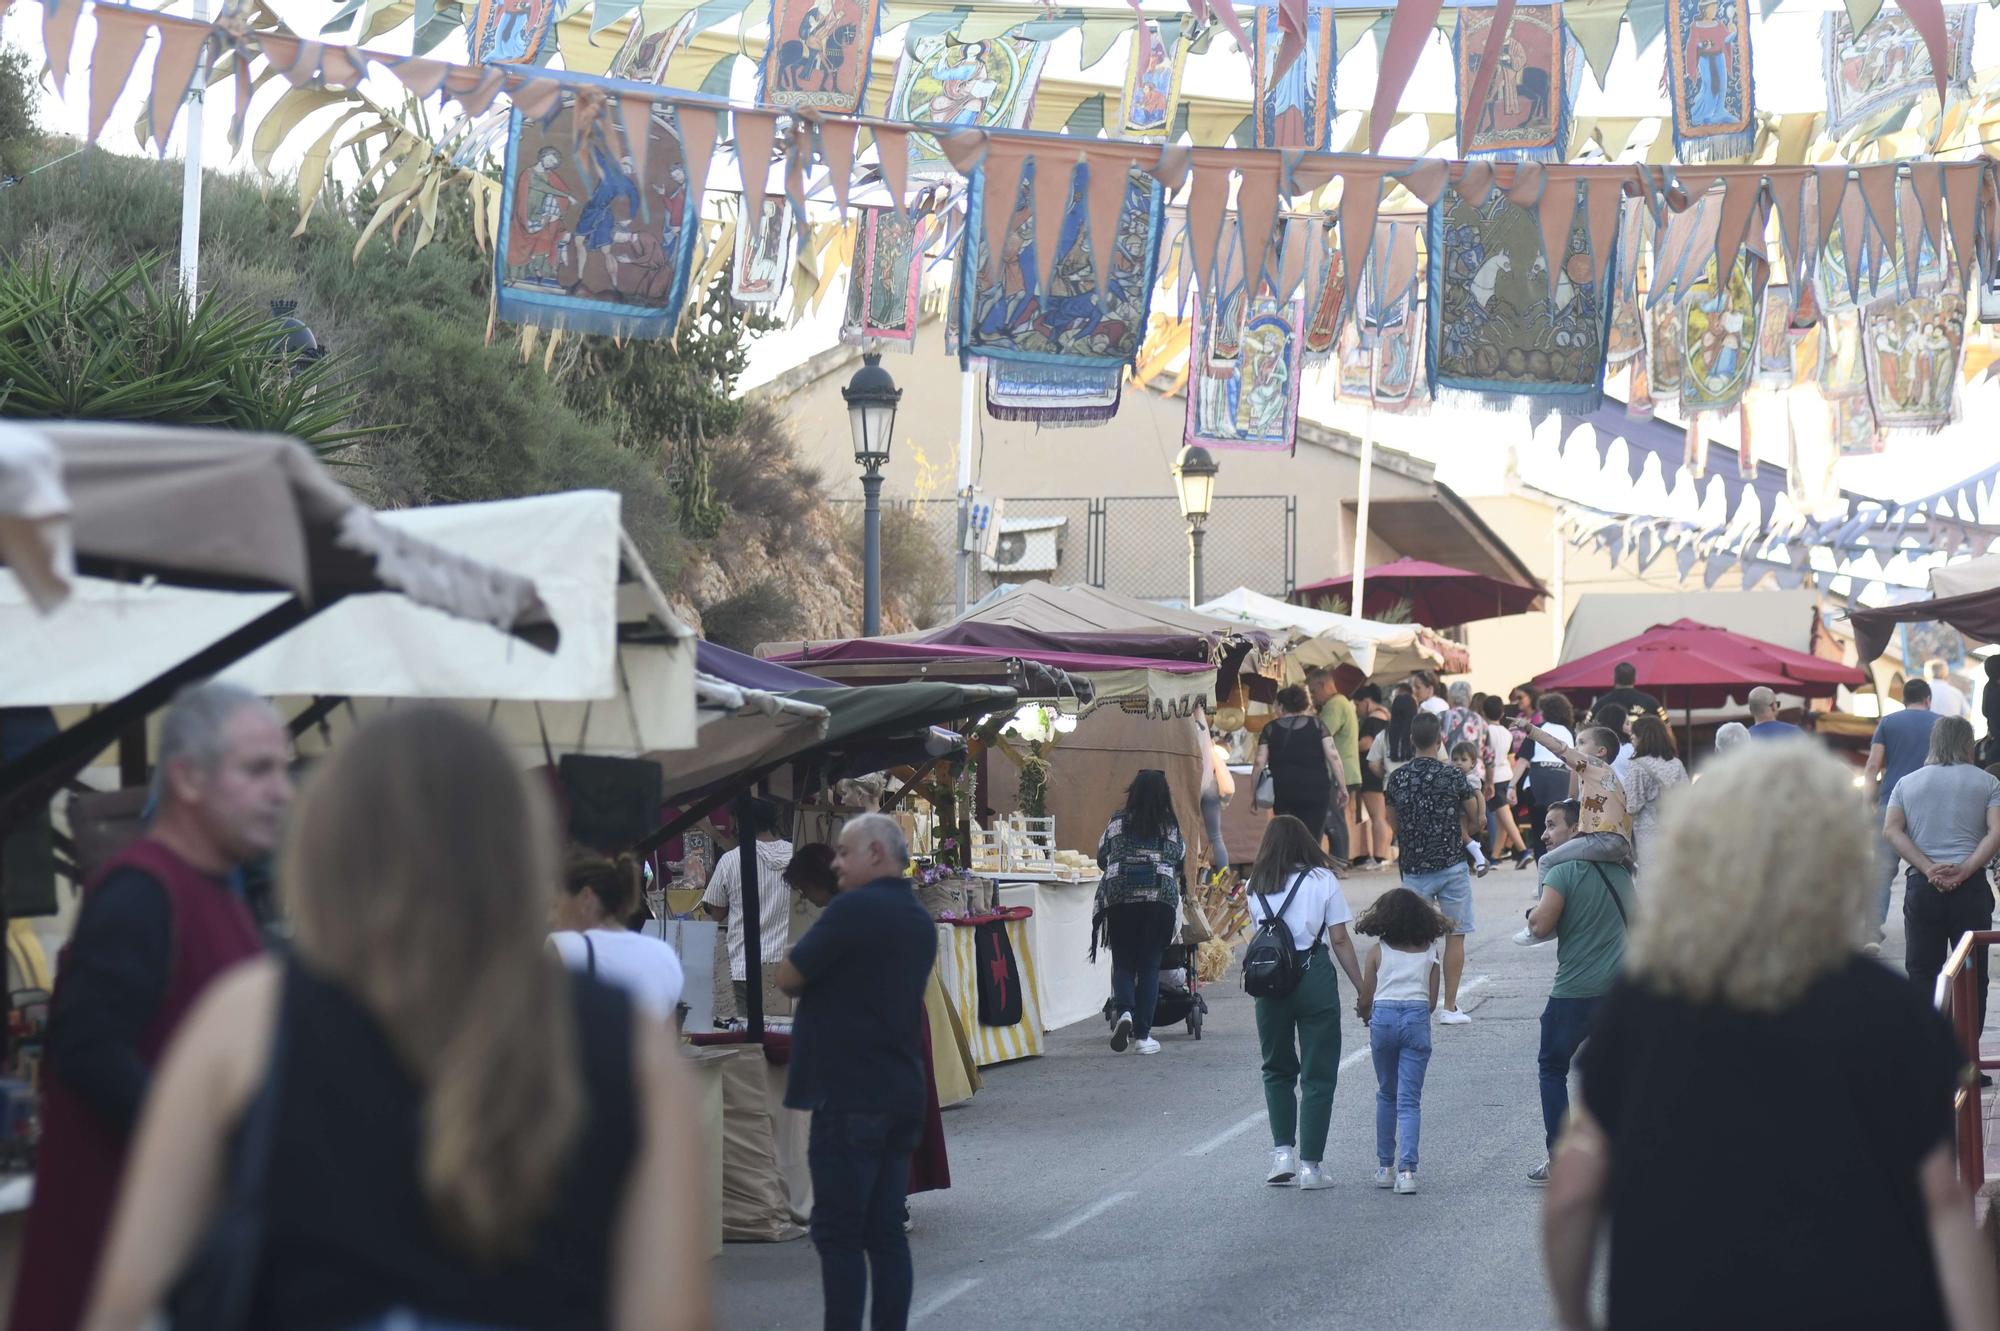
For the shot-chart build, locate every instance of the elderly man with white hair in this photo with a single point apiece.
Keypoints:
(858, 1066)
(1764, 722)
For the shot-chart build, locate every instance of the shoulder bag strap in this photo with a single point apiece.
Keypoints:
(1287, 903)
(1616, 900)
(589, 953)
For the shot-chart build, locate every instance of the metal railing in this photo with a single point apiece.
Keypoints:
(1957, 997)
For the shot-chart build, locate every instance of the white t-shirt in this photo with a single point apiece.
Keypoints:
(1502, 740)
(1947, 699)
(646, 968)
(1543, 756)
(1435, 705)
(1405, 977)
(774, 902)
(1319, 905)
(1623, 761)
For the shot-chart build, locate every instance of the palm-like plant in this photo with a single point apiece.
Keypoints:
(127, 347)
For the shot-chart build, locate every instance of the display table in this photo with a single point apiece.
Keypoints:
(957, 971)
(1069, 985)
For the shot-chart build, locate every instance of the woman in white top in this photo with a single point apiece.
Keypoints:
(592, 903)
(1654, 770)
(1548, 779)
(1505, 835)
(1298, 1033)
(1399, 991)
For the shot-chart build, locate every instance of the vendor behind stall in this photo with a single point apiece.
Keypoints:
(724, 898)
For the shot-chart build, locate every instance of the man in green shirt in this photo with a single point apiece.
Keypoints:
(1587, 906)
(1336, 713)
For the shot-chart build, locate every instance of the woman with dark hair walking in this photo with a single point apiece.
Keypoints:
(1548, 779)
(1298, 1033)
(1303, 761)
(1394, 748)
(1138, 902)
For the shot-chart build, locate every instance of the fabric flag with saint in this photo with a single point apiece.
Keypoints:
(1708, 79)
(1254, 403)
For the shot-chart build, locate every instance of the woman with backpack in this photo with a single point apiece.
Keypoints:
(1138, 904)
(1298, 913)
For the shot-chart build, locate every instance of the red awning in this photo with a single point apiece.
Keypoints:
(1695, 665)
(1439, 595)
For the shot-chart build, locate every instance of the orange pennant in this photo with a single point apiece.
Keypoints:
(181, 49)
(698, 126)
(755, 131)
(1557, 215)
(1604, 199)
(1257, 208)
(892, 154)
(836, 146)
(1742, 199)
(120, 34)
(58, 35)
(1208, 199)
(1107, 180)
(1360, 200)
(420, 74)
(1410, 26)
(1961, 193)
(1001, 184)
(1055, 172)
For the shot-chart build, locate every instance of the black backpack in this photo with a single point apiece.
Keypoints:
(1272, 967)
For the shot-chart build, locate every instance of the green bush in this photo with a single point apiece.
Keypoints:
(761, 612)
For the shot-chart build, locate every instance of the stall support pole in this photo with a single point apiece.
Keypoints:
(968, 382)
(191, 172)
(1360, 586)
(753, 917)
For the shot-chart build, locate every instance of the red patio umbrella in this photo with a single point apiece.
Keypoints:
(1439, 595)
(1689, 664)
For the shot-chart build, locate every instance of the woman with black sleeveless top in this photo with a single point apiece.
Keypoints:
(438, 1124)
(1303, 761)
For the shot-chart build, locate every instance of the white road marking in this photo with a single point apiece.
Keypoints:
(1085, 1216)
(944, 1297)
(1227, 1135)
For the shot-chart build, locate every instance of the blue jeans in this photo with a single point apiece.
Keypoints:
(1138, 933)
(1399, 1036)
(1450, 890)
(861, 1175)
(1889, 863)
(1565, 1025)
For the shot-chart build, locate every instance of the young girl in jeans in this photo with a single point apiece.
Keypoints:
(1399, 990)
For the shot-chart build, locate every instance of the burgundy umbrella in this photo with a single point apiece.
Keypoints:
(1439, 595)
(1693, 665)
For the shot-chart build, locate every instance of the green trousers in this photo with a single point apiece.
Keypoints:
(1299, 1036)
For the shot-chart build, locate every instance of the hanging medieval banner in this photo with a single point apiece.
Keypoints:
(591, 244)
(1502, 325)
(1627, 335)
(989, 83)
(1295, 107)
(1666, 367)
(1357, 368)
(1225, 309)
(1841, 372)
(1326, 293)
(1253, 404)
(1053, 395)
(1708, 79)
(1886, 66)
(1399, 354)
(1854, 432)
(1526, 115)
(1911, 351)
(818, 54)
(885, 281)
(513, 32)
(1152, 79)
(1777, 346)
(1878, 272)
(763, 253)
(643, 56)
(1006, 315)
(1718, 327)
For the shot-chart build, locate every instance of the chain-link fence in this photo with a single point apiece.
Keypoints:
(1136, 545)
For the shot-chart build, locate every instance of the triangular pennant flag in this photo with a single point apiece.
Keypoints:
(1831, 185)
(1291, 38)
(1927, 17)
(1257, 207)
(892, 152)
(836, 147)
(1475, 182)
(1961, 194)
(635, 117)
(1055, 173)
(1172, 168)
(1878, 192)
(1596, 32)
(1000, 181)
(120, 34)
(1299, 233)
(1360, 201)
(1927, 185)
(58, 35)
(1557, 213)
(1208, 199)
(1489, 60)
(534, 96)
(1529, 183)
(1426, 180)
(755, 131)
(1107, 180)
(181, 48)
(698, 126)
(1742, 193)
(1604, 198)
(1410, 26)
(1788, 194)
(420, 74)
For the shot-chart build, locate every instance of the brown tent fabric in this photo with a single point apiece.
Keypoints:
(756, 1203)
(1090, 767)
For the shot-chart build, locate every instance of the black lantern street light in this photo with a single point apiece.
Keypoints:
(871, 409)
(1194, 478)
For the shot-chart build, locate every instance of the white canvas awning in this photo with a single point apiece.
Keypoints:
(621, 679)
(1322, 638)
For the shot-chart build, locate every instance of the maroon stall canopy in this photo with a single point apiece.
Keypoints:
(1695, 665)
(1439, 595)
(1974, 614)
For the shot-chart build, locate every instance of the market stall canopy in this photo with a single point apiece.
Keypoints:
(1687, 664)
(34, 516)
(1975, 614)
(232, 511)
(750, 672)
(620, 680)
(1322, 638)
(1966, 577)
(1082, 610)
(1438, 595)
(1158, 687)
(1782, 618)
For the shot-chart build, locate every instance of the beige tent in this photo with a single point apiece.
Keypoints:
(1322, 638)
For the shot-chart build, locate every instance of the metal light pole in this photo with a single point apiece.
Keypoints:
(1194, 478)
(190, 266)
(871, 397)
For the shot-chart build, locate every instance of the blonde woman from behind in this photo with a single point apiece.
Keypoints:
(460, 1131)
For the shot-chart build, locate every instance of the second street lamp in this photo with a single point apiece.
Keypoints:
(871, 397)
(1194, 479)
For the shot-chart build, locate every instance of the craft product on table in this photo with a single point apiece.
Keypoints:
(1526, 111)
(1718, 327)
(1294, 106)
(1153, 70)
(577, 250)
(988, 83)
(763, 252)
(885, 280)
(1253, 403)
(1886, 65)
(1708, 79)
(818, 54)
(1911, 352)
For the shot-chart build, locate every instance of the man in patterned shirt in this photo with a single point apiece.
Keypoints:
(1427, 799)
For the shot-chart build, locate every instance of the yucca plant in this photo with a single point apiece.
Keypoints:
(128, 347)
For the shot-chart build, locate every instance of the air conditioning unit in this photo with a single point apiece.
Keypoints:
(1026, 545)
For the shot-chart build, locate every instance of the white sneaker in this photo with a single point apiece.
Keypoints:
(1526, 938)
(1312, 1177)
(1146, 1046)
(1121, 1033)
(1385, 1177)
(1451, 1016)
(1284, 1166)
(1871, 949)
(1406, 1182)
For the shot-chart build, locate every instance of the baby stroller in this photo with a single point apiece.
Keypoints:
(1180, 992)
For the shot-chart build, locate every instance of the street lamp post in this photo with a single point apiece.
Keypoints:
(1194, 478)
(871, 397)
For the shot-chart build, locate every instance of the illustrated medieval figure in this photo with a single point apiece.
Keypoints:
(535, 239)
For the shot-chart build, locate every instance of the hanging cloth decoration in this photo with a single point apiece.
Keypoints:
(885, 280)
(1708, 79)
(1152, 94)
(1527, 108)
(511, 32)
(1854, 432)
(1357, 368)
(1911, 350)
(1777, 346)
(1254, 403)
(818, 55)
(647, 48)
(1326, 292)
(1665, 365)
(987, 84)
(1627, 336)
(1505, 322)
(1886, 66)
(1052, 395)
(1841, 371)
(1718, 329)
(763, 252)
(578, 249)
(1294, 106)
(1225, 309)
(1398, 352)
